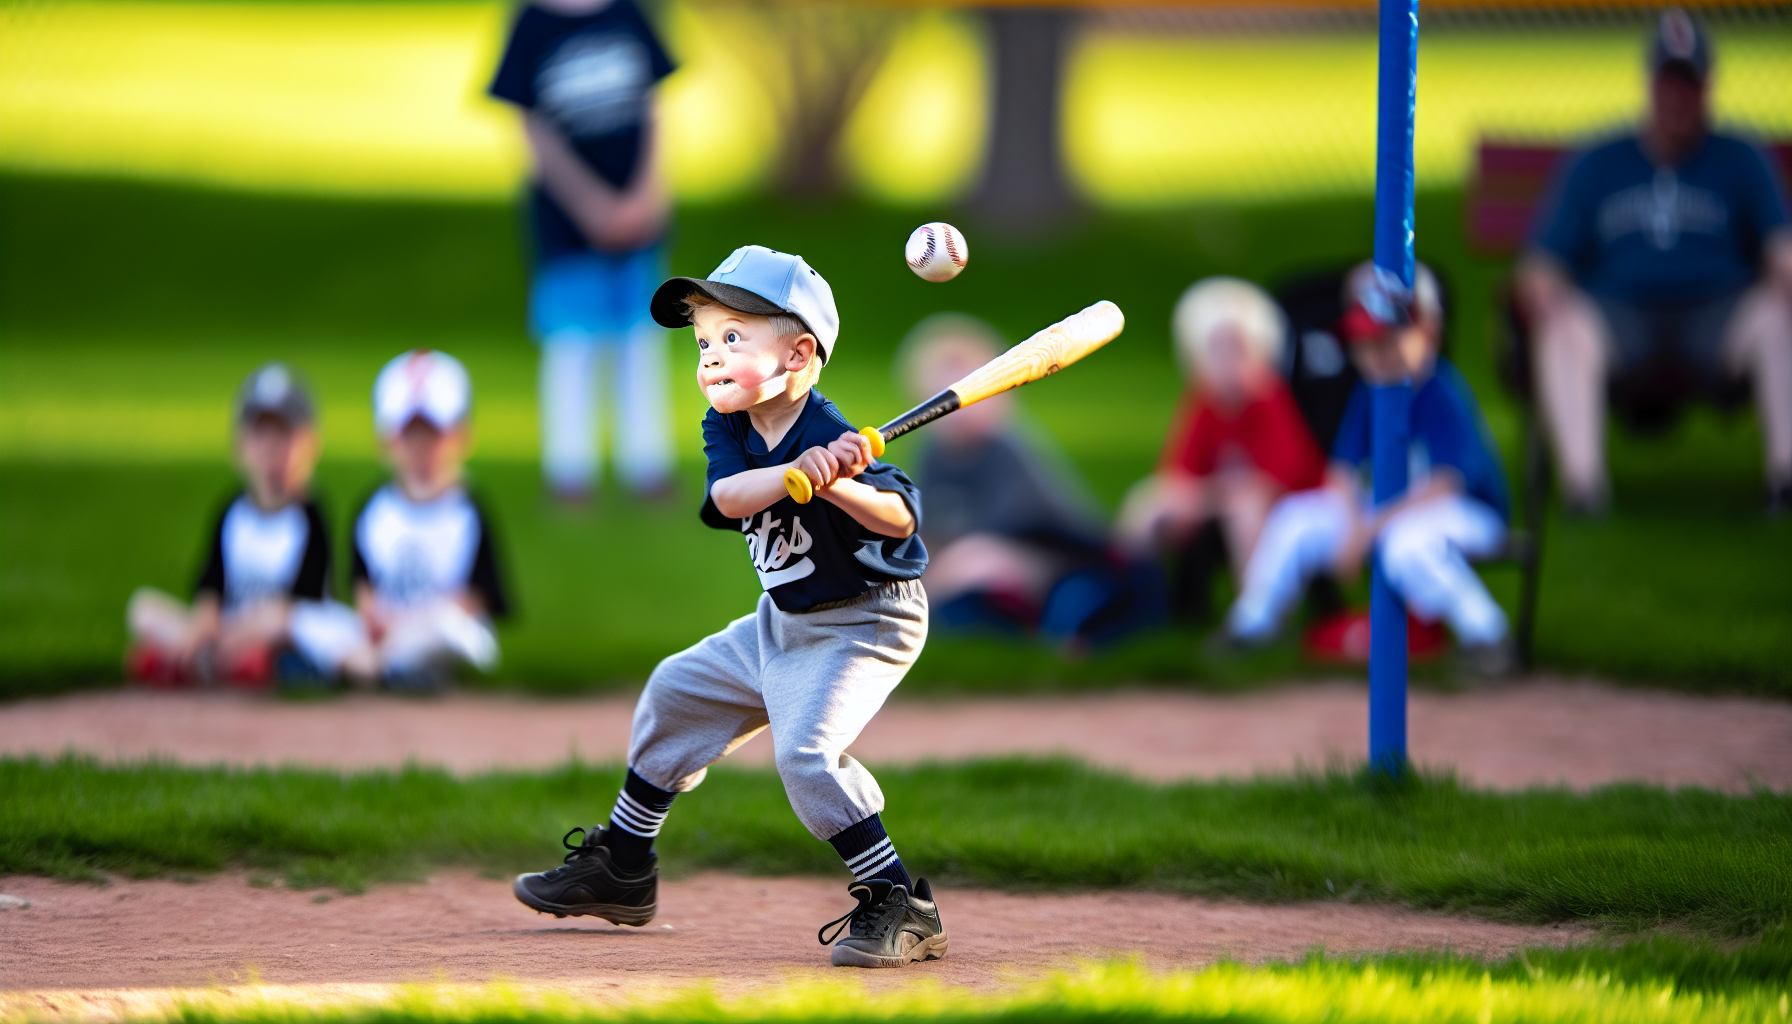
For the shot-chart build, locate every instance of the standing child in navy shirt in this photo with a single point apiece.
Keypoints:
(842, 618)
(583, 72)
(1454, 508)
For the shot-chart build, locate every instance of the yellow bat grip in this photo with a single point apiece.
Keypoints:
(876, 439)
(797, 483)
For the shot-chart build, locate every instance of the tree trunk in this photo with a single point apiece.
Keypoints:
(1023, 177)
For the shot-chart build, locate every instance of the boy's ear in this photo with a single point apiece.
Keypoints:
(805, 346)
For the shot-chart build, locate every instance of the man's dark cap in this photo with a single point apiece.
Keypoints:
(275, 390)
(1680, 41)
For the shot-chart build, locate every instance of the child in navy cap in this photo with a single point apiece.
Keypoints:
(269, 554)
(842, 618)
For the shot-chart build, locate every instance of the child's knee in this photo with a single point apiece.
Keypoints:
(800, 767)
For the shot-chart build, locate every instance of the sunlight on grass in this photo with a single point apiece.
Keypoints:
(1149, 121)
(1331, 991)
(363, 98)
(387, 99)
(374, 99)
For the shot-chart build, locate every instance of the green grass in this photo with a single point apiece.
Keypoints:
(1626, 855)
(1316, 990)
(128, 313)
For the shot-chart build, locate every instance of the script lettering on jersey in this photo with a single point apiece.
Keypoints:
(772, 550)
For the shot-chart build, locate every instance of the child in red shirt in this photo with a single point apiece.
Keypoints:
(1239, 441)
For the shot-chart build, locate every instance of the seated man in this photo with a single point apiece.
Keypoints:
(1454, 508)
(1662, 263)
(1015, 540)
(1238, 444)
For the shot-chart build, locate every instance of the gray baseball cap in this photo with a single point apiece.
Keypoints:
(765, 282)
(275, 390)
(1679, 40)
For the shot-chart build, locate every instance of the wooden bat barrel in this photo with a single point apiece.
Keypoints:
(1042, 355)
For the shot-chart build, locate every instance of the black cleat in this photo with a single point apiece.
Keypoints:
(889, 928)
(590, 884)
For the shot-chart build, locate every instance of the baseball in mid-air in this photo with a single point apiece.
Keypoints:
(936, 251)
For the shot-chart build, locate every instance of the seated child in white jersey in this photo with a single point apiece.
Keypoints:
(425, 578)
(269, 555)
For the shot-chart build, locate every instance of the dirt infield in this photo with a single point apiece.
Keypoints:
(79, 938)
(101, 953)
(1541, 731)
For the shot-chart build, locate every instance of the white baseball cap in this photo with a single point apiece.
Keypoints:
(422, 382)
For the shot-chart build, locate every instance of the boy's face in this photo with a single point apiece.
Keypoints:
(425, 458)
(944, 363)
(1231, 370)
(740, 361)
(1407, 353)
(277, 459)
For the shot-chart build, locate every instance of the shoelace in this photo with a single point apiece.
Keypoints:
(865, 913)
(583, 848)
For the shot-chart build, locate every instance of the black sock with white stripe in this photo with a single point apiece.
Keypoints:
(641, 809)
(868, 853)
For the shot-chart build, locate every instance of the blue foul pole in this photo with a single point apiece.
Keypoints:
(1391, 410)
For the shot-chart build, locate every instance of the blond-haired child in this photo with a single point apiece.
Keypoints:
(1239, 441)
(842, 618)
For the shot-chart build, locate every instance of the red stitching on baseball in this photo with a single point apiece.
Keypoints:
(952, 248)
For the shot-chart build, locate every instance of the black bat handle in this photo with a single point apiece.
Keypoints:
(925, 413)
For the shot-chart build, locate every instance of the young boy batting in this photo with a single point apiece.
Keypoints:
(842, 618)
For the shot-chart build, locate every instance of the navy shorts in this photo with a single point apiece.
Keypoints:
(1689, 336)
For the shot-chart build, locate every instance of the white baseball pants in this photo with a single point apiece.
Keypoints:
(1424, 552)
(577, 374)
(328, 633)
(814, 678)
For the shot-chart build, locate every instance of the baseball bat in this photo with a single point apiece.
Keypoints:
(1042, 355)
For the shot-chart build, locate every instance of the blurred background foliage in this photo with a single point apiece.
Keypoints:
(190, 189)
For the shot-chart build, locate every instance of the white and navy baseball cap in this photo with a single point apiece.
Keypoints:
(275, 390)
(421, 383)
(765, 282)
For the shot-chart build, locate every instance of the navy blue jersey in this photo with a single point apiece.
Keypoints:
(592, 76)
(809, 554)
(1447, 430)
(1663, 235)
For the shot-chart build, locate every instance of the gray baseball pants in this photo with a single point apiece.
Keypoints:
(814, 678)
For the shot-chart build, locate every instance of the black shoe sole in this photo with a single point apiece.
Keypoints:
(635, 916)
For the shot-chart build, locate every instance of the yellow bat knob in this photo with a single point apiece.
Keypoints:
(876, 439)
(797, 483)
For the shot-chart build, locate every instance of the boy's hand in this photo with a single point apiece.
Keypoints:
(819, 465)
(852, 452)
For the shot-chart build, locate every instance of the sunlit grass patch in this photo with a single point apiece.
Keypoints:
(388, 98)
(1163, 118)
(1318, 990)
